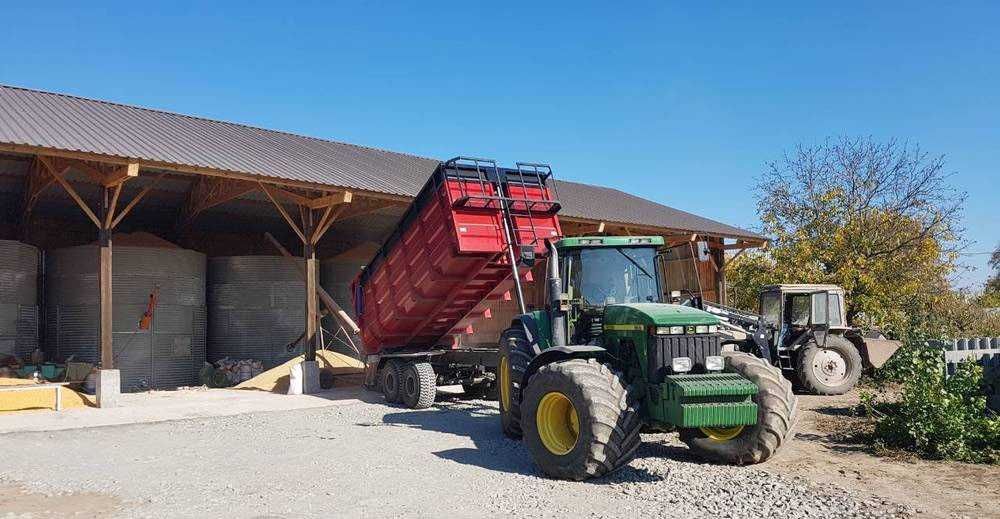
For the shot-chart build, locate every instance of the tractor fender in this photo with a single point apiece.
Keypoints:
(558, 353)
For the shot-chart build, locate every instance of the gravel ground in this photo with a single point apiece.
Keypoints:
(373, 460)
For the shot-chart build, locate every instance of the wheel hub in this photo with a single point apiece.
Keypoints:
(830, 367)
(722, 434)
(504, 370)
(558, 423)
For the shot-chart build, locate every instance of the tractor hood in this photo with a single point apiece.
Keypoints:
(656, 314)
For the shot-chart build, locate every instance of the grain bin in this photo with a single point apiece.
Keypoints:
(18, 299)
(336, 276)
(256, 308)
(167, 355)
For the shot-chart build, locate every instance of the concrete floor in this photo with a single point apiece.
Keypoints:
(161, 406)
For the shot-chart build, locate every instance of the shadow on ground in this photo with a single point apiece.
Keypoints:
(479, 421)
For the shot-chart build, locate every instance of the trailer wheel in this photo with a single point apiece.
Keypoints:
(391, 374)
(418, 385)
(515, 356)
(578, 422)
(776, 413)
(829, 370)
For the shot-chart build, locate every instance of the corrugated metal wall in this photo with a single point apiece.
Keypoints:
(171, 352)
(336, 277)
(18, 299)
(256, 308)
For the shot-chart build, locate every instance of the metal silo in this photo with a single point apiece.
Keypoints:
(18, 299)
(336, 276)
(256, 308)
(168, 354)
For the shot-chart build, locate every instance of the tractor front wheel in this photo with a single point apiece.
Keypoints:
(831, 369)
(515, 356)
(577, 421)
(776, 414)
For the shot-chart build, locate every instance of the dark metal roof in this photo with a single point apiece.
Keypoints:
(69, 123)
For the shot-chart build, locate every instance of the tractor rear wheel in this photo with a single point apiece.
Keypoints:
(832, 369)
(578, 423)
(776, 413)
(391, 373)
(418, 385)
(515, 356)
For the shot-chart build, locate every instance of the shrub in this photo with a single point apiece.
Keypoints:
(934, 415)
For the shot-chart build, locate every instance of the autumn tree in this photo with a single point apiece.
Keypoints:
(878, 218)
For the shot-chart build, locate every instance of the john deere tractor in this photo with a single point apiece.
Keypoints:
(607, 359)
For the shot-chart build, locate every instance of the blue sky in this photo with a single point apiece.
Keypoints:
(679, 103)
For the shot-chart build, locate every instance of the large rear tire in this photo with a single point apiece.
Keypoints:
(418, 386)
(515, 356)
(578, 423)
(777, 409)
(390, 380)
(833, 369)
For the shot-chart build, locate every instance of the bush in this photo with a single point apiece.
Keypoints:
(935, 416)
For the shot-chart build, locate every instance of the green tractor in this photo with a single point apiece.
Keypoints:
(607, 359)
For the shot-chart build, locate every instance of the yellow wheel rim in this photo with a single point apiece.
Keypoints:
(558, 423)
(504, 370)
(722, 434)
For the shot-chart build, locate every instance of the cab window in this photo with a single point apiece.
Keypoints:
(798, 309)
(770, 307)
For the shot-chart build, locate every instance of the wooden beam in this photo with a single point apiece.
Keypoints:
(284, 214)
(290, 196)
(48, 163)
(121, 174)
(111, 207)
(320, 231)
(138, 197)
(208, 192)
(343, 197)
(36, 182)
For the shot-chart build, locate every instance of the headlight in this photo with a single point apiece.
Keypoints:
(676, 330)
(713, 329)
(703, 328)
(715, 363)
(662, 330)
(681, 364)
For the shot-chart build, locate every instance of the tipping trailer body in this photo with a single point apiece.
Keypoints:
(450, 252)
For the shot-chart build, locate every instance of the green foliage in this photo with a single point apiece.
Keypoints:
(990, 297)
(878, 219)
(934, 415)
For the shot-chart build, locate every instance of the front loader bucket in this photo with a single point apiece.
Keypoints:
(880, 350)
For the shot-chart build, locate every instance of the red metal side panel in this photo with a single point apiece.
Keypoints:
(442, 264)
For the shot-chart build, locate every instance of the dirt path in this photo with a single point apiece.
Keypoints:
(17, 501)
(822, 453)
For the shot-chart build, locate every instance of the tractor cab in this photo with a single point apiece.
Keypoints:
(602, 271)
(794, 313)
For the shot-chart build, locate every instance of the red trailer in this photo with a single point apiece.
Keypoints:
(468, 230)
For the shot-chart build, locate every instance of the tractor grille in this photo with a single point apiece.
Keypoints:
(665, 348)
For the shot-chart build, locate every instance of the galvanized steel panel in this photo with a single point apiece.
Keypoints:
(168, 355)
(18, 298)
(256, 308)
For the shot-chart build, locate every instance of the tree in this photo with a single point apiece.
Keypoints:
(991, 294)
(878, 218)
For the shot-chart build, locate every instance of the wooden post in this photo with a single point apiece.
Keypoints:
(312, 304)
(104, 281)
